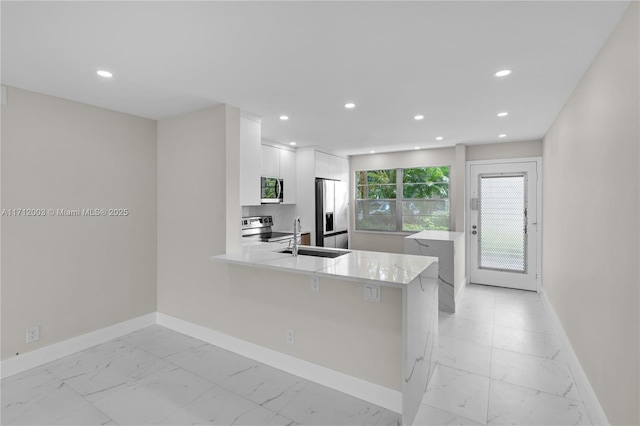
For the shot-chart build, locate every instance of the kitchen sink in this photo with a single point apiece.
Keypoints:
(317, 251)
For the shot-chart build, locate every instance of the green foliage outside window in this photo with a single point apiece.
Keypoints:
(426, 182)
(423, 203)
(376, 184)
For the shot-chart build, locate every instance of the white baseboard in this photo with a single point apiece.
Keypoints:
(589, 398)
(367, 391)
(44, 355)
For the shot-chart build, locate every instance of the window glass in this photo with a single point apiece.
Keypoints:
(375, 200)
(376, 184)
(413, 199)
(376, 215)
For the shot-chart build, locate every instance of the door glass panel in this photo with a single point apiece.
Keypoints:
(502, 223)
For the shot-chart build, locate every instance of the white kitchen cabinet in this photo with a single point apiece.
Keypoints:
(331, 167)
(344, 170)
(281, 163)
(288, 175)
(323, 165)
(336, 166)
(306, 190)
(270, 161)
(250, 162)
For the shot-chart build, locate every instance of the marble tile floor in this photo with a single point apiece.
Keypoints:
(500, 363)
(158, 376)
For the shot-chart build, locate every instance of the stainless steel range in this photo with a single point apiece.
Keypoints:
(259, 228)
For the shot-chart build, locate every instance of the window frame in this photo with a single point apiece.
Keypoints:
(399, 199)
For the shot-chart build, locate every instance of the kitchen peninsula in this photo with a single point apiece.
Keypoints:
(449, 248)
(369, 315)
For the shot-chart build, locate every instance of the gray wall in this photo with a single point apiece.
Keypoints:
(499, 151)
(192, 211)
(74, 275)
(590, 211)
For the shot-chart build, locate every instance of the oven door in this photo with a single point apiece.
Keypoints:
(271, 190)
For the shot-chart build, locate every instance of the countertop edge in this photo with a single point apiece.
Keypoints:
(433, 235)
(321, 272)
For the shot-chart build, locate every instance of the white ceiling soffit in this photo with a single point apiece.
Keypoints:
(394, 60)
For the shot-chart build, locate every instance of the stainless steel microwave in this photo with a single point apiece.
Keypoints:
(271, 190)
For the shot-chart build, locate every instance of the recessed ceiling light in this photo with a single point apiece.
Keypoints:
(284, 117)
(349, 105)
(103, 73)
(417, 147)
(502, 135)
(439, 138)
(418, 117)
(502, 73)
(292, 143)
(503, 114)
(372, 152)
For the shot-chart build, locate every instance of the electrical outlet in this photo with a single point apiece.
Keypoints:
(315, 284)
(291, 336)
(371, 292)
(33, 333)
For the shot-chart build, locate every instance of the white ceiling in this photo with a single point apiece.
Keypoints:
(306, 59)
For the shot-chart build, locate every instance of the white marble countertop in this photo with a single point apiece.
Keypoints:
(389, 269)
(436, 235)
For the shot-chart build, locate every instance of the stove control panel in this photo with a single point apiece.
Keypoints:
(257, 222)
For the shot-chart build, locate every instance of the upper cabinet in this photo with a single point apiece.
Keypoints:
(250, 162)
(325, 167)
(344, 170)
(281, 163)
(331, 167)
(270, 161)
(288, 175)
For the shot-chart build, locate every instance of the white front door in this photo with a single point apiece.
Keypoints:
(503, 224)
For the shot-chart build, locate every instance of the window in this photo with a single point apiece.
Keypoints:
(414, 199)
(425, 199)
(376, 200)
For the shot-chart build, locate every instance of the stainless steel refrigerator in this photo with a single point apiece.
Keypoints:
(332, 213)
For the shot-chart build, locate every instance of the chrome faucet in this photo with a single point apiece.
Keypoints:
(297, 227)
